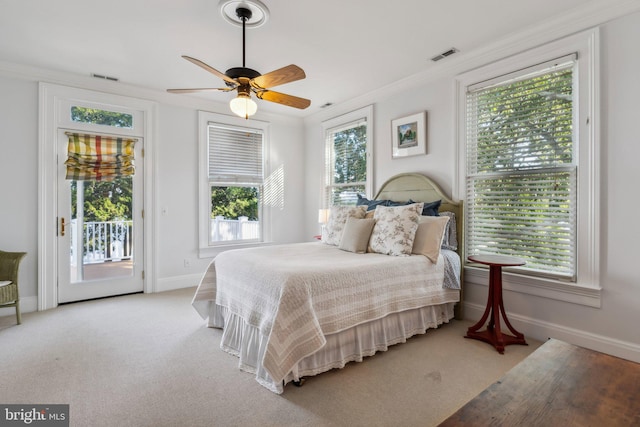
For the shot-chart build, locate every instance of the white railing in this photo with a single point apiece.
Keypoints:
(101, 241)
(223, 230)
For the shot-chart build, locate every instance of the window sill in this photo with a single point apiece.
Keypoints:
(212, 251)
(541, 287)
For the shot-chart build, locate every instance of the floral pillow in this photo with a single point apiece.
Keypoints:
(395, 229)
(332, 232)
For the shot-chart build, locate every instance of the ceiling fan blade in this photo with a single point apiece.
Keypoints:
(281, 98)
(287, 74)
(202, 89)
(211, 70)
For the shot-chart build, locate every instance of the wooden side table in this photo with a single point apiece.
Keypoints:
(493, 334)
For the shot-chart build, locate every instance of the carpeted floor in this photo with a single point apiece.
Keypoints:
(149, 360)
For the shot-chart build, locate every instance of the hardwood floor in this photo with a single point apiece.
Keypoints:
(559, 385)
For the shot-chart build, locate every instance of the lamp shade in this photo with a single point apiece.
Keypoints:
(323, 216)
(243, 106)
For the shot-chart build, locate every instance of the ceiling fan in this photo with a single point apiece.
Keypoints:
(245, 80)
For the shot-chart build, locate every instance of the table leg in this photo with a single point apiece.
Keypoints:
(495, 306)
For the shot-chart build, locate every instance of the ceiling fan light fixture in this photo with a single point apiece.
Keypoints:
(243, 105)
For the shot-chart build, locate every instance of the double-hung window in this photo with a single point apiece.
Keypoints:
(234, 183)
(522, 167)
(529, 164)
(347, 158)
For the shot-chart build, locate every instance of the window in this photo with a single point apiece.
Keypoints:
(98, 116)
(347, 158)
(529, 166)
(522, 169)
(235, 157)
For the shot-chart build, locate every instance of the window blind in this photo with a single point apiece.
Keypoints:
(346, 162)
(235, 155)
(522, 169)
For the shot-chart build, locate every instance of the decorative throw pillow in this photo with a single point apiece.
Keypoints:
(394, 203)
(429, 236)
(370, 204)
(431, 208)
(395, 229)
(332, 231)
(355, 236)
(450, 240)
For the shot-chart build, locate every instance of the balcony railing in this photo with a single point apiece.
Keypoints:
(101, 241)
(223, 230)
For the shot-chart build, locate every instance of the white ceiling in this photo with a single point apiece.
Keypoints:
(346, 47)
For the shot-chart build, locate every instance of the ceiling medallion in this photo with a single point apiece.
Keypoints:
(258, 17)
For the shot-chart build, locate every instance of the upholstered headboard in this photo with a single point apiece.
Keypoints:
(419, 188)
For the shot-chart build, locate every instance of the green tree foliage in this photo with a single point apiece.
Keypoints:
(101, 117)
(349, 164)
(234, 202)
(104, 200)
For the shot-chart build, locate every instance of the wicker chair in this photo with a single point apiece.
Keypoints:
(9, 297)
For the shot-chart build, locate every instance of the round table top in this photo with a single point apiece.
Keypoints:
(499, 260)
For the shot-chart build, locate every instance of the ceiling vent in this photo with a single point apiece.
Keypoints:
(444, 54)
(100, 76)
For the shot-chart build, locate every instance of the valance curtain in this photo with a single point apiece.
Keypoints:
(99, 158)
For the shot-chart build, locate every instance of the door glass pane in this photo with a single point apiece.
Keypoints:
(101, 117)
(101, 229)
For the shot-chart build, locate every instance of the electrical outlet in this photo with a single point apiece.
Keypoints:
(187, 263)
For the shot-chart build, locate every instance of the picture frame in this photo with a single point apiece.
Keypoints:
(409, 136)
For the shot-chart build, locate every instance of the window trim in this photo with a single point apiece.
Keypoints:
(366, 114)
(586, 290)
(205, 249)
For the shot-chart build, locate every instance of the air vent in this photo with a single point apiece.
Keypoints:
(444, 54)
(100, 76)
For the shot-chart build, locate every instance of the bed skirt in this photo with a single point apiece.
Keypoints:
(248, 344)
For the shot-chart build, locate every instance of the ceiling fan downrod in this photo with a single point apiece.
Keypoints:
(244, 15)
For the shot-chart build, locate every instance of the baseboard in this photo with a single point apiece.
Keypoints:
(541, 330)
(27, 305)
(177, 282)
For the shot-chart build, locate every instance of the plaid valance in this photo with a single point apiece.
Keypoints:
(99, 158)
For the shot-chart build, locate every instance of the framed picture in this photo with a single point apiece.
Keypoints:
(409, 135)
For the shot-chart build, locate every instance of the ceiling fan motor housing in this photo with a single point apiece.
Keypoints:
(237, 72)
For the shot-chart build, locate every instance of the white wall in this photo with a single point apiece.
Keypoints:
(612, 327)
(19, 178)
(175, 164)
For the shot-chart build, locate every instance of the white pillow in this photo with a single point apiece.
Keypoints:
(355, 236)
(338, 215)
(395, 229)
(429, 236)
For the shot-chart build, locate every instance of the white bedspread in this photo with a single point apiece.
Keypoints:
(296, 294)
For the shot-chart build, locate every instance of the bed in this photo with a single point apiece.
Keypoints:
(296, 310)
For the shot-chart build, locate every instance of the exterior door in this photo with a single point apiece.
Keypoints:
(99, 227)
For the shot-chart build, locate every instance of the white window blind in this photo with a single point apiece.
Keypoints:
(522, 168)
(235, 155)
(346, 162)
